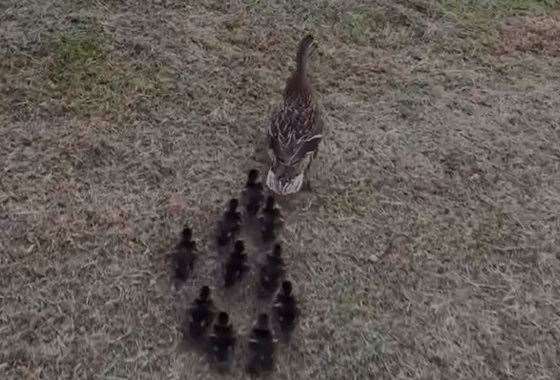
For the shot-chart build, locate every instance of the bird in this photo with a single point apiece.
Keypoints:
(230, 224)
(221, 344)
(285, 309)
(271, 272)
(184, 255)
(270, 219)
(186, 239)
(261, 347)
(295, 129)
(200, 315)
(236, 265)
(252, 195)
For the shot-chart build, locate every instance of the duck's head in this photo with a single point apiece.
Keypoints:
(252, 177)
(277, 251)
(287, 288)
(262, 321)
(233, 204)
(290, 155)
(186, 234)
(204, 293)
(284, 179)
(223, 318)
(238, 247)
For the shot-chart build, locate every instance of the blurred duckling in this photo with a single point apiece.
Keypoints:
(271, 213)
(236, 265)
(285, 309)
(184, 255)
(221, 344)
(253, 193)
(261, 347)
(271, 220)
(271, 272)
(230, 224)
(201, 315)
(295, 129)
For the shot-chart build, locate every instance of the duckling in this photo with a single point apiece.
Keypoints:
(236, 266)
(271, 272)
(271, 219)
(222, 343)
(230, 224)
(268, 232)
(285, 309)
(271, 213)
(261, 347)
(253, 193)
(186, 239)
(295, 129)
(201, 315)
(184, 255)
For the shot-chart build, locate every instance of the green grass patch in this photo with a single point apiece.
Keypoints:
(479, 22)
(83, 74)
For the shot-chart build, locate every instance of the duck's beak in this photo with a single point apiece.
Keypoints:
(284, 186)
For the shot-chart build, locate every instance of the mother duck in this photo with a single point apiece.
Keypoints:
(295, 129)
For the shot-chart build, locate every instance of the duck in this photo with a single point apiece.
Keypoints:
(186, 239)
(252, 193)
(230, 224)
(261, 347)
(236, 266)
(221, 343)
(272, 271)
(184, 255)
(285, 309)
(201, 314)
(295, 129)
(270, 220)
(270, 212)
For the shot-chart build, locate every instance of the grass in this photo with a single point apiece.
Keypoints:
(428, 248)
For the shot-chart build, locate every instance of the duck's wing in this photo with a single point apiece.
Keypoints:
(294, 132)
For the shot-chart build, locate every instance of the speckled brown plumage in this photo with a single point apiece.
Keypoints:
(295, 129)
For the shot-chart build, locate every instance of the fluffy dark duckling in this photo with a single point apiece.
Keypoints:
(184, 255)
(295, 129)
(271, 219)
(221, 343)
(261, 347)
(236, 265)
(230, 224)
(186, 239)
(253, 193)
(271, 272)
(285, 309)
(201, 315)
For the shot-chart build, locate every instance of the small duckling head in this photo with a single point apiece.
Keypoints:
(233, 204)
(287, 288)
(269, 204)
(204, 293)
(284, 180)
(238, 247)
(186, 234)
(262, 321)
(223, 318)
(277, 251)
(252, 177)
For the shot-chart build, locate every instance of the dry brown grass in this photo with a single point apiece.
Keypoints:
(428, 250)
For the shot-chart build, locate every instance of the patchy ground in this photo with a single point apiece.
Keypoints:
(429, 249)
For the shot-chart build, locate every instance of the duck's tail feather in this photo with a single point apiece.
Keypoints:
(305, 48)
